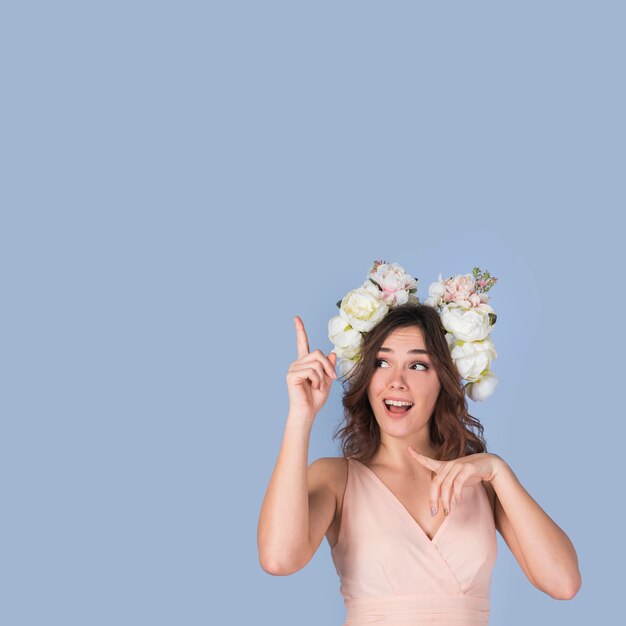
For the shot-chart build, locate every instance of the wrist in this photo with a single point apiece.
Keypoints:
(300, 420)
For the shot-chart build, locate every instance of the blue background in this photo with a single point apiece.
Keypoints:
(179, 179)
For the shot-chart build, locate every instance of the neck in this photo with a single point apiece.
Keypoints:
(395, 454)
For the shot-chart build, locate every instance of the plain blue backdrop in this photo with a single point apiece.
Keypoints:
(179, 179)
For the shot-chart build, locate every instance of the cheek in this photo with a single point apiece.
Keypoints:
(436, 388)
(376, 383)
(433, 381)
(430, 386)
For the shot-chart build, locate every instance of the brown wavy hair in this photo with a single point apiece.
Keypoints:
(453, 431)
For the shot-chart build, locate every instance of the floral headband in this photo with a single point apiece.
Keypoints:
(462, 304)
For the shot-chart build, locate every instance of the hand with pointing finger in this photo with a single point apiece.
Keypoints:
(310, 377)
(453, 475)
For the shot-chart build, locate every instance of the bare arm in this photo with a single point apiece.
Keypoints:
(298, 503)
(545, 552)
(283, 523)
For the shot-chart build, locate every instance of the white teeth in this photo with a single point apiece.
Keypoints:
(398, 403)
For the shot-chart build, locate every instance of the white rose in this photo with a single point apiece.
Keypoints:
(397, 297)
(436, 292)
(451, 339)
(485, 308)
(467, 324)
(473, 357)
(368, 285)
(482, 389)
(362, 309)
(347, 340)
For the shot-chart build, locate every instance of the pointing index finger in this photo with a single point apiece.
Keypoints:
(302, 339)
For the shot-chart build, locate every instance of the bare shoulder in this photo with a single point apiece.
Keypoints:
(330, 469)
(330, 475)
(330, 472)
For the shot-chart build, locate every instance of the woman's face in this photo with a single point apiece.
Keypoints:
(404, 371)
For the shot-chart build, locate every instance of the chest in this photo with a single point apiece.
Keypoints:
(412, 493)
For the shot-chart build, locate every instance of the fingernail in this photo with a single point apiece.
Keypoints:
(334, 374)
(433, 511)
(445, 511)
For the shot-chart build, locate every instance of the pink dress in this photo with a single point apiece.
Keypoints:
(390, 572)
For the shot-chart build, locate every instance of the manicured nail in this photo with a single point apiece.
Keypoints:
(433, 511)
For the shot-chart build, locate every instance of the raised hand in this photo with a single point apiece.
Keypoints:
(452, 476)
(310, 377)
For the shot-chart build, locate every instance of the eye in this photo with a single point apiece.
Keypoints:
(424, 365)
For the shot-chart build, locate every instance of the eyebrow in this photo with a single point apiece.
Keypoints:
(414, 351)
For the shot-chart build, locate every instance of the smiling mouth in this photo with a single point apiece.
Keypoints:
(397, 410)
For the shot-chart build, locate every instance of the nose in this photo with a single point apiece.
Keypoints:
(396, 380)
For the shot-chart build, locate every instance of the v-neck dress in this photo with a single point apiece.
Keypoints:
(390, 572)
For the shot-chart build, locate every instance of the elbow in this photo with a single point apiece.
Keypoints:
(269, 568)
(280, 567)
(567, 591)
(275, 568)
(269, 564)
(572, 589)
(280, 558)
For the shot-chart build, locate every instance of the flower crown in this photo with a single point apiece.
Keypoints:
(462, 304)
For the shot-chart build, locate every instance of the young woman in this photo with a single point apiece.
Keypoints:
(411, 508)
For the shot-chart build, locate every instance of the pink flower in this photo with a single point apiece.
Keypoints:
(460, 290)
(394, 283)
